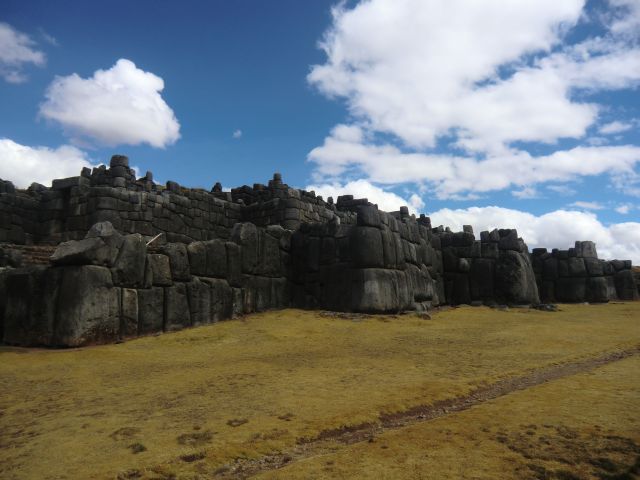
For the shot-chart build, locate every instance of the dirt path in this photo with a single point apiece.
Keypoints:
(308, 447)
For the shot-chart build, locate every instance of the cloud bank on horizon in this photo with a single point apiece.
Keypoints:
(462, 99)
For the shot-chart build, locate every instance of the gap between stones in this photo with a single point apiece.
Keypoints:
(347, 435)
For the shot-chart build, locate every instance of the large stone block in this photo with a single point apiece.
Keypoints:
(375, 290)
(223, 299)
(88, 251)
(216, 254)
(366, 247)
(129, 311)
(197, 253)
(128, 269)
(176, 308)
(597, 289)
(515, 280)
(625, 285)
(234, 264)
(178, 261)
(150, 310)
(269, 260)
(577, 267)
(109, 235)
(388, 249)
(161, 269)
(586, 249)
(246, 235)
(199, 293)
(509, 240)
(550, 269)
(481, 279)
(30, 305)
(368, 216)
(88, 308)
(595, 267)
(571, 290)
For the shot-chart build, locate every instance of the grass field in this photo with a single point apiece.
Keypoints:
(194, 403)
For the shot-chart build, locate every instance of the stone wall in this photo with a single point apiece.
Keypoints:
(213, 255)
(577, 275)
(109, 286)
(42, 215)
(494, 270)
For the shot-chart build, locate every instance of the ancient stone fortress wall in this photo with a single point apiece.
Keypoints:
(214, 255)
(577, 275)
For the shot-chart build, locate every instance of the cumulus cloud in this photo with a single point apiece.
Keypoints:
(587, 205)
(23, 165)
(556, 229)
(346, 147)
(447, 92)
(17, 49)
(615, 127)
(118, 106)
(624, 208)
(237, 134)
(387, 201)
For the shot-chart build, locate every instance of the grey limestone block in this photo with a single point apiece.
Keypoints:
(515, 281)
(88, 307)
(199, 293)
(586, 249)
(577, 267)
(481, 279)
(597, 289)
(626, 288)
(30, 305)
(150, 310)
(366, 247)
(178, 260)
(88, 251)
(176, 307)
(129, 267)
(161, 269)
(129, 313)
(509, 241)
(368, 216)
(197, 253)
(595, 267)
(571, 289)
(216, 258)
(550, 269)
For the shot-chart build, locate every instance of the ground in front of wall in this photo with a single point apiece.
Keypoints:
(469, 393)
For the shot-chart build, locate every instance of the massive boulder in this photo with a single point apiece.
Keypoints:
(515, 281)
(88, 307)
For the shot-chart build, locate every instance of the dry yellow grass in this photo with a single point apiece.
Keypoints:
(582, 427)
(244, 388)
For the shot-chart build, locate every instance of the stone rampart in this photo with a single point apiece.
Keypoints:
(161, 258)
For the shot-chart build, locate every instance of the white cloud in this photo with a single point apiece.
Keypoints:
(386, 201)
(237, 134)
(556, 229)
(121, 105)
(587, 205)
(526, 193)
(23, 165)
(480, 76)
(615, 127)
(564, 190)
(16, 50)
(627, 22)
(624, 208)
(347, 147)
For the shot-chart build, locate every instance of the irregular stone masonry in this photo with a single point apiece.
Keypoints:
(224, 254)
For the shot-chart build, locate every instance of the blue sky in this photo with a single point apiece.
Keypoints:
(491, 113)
